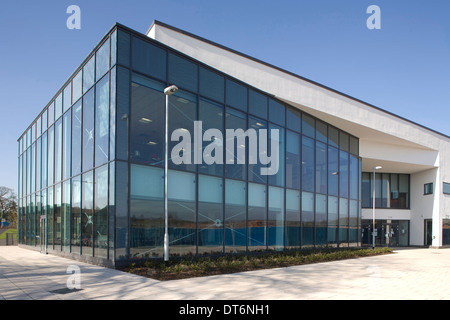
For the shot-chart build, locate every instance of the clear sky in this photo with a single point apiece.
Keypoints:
(404, 67)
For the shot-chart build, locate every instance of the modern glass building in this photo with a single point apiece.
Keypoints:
(92, 163)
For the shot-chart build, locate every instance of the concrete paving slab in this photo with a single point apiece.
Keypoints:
(412, 274)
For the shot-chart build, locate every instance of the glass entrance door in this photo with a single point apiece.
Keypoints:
(43, 234)
(428, 232)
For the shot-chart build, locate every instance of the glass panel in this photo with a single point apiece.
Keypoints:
(65, 216)
(236, 95)
(211, 115)
(76, 138)
(307, 219)
(58, 106)
(292, 160)
(321, 131)
(344, 141)
(183, 73)
(354, 145)
(235, 216)
(254, 165)
(51, 114)
(44, 162)
(44, 120)
(235, 155)
(146, 211)
(333, 137)
(321, 168)
(76, 215)
(111, 210)
(333, 221)
(123, 113)
(257, 217)
(276, 218)
(277, 112)
(51, 154)
(67, 97)
(353, 221)
(123, 48)
(147, 122)
(50, 220)
(308, 164)
(210, 215)
(112, 116)
(102, 121)
(113, 48)
(321, 220)
(182, 212)
(58, 199)
(333, 171)
(293, 119)
(122, 215)
(101, 212)
(102, 60)
(343, 220)
(354, 177)
(308, 125)
(38, 129)
(67, 127)
(33, 168)
(58, 150)
(293, 224)
(182, 114)
(385, 191)
(77, 86)
(275, 162)
(403, 186)
(343, 174)
(149, 59)
(87, 207)
(89, 74)
(212, 85)
(88, 130)
(257, 104)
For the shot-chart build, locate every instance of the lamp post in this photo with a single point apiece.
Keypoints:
(168, 92)
(373, 209)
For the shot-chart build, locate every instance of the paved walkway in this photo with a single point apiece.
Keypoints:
(416, 274)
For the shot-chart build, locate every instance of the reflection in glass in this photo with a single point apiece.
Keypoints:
(236, 95)
(211, 85)
(308, 164)
(210, 215)
(321, 220)
(102, 62)
(292, 160)
(254, 170)
(102, 121)
(58, 150)
(182, 213)
(307, 219)
(257, 104)
(65, 216)
(67, 126)
(321, 168)
(146, 211)
(76, 138)
(76, 215)
(278, 178)
(235, 216)
(89, 74)
(343, 221)
(88, 131)
(51, 155)
(333, 221)
(87, 206)
(275, 221)
(257, 216)
(101, 212)
(292, 218)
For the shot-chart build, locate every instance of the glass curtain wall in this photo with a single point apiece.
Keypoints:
(61, 157)
(100, 146)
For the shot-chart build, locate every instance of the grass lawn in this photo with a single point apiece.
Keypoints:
(205, 266)
(3, 234)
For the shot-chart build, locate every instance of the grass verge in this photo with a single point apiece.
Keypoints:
(205, 266)
(10, 231)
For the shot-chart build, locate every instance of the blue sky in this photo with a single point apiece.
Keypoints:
(403, 68)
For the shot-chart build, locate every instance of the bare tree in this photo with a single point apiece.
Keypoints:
(8, 205)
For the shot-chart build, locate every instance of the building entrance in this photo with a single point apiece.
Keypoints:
(388, 233)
